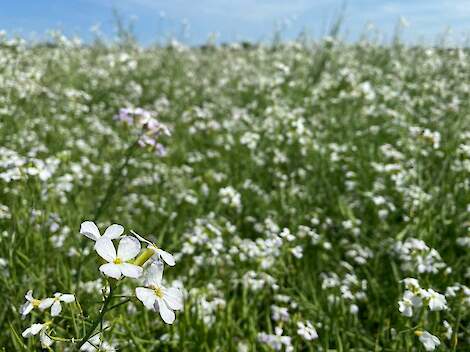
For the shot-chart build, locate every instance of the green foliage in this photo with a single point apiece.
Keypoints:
(354, 149)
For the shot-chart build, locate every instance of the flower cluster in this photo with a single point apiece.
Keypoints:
(306, 180)
(149, 128)
(128, 261)
(122, 263)
(276, 341)
(54, 303)
(414, 254)
(414, 298)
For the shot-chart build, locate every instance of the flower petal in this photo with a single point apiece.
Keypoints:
(90, 230)
(46, 303)
(140, 237)
(146, 296)
(131, 270)
(29, 295)
(56, 308)
(26, 308)
(92, 344)
(67, 298)
(105, 248)
(173, 298)
(128, 248)
(154, 274)
(111, 270)
(113, 231)
(46, 341)
(166, 313)
(32, 330)
(167, 257)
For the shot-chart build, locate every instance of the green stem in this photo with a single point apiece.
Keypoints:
(99, 319)
(119, 304)
(117, 176)
(144, 256)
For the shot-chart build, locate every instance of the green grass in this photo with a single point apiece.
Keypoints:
(317, 138)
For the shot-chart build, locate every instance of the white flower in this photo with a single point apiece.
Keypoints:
(94, 344)
(157, 297)
(128, 248)
(297, 252)
(166, 257)
(242, 347)
(33, 330)
(448, 328)
(409, 301)
(429, 341)
(277, 341)
(411, 283)
(30, 304)
(406, 308)
(54, 302)
(40, 329)
(90, 230)
(279, 313)
(436, 301)
(353, 309)
(306, 330)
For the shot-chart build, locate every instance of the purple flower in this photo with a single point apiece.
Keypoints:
(149, 126)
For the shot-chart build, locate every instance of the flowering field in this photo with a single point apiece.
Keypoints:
(299, 197)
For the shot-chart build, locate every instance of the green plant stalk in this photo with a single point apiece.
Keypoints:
(141, 260)
(99, 319)
(117, 176)
(144, 256)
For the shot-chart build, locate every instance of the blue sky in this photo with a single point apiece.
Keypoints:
(192, 21)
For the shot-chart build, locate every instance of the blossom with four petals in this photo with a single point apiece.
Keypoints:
(118, 265)
(54, 302)
(30, 304)
(158, 298)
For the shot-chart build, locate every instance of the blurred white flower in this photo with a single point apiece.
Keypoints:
(435, 300)
(306, 330)
(297, 252)
(279, 313)
(430, 342)
(409, 301)
(230, 197)
(277, 341)
(353, 309)
(94, 344)
(411, 283)
(448, 328)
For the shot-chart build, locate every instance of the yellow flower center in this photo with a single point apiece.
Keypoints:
(418, 333)
(158, 292)
(36, 303)
(117, 261)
